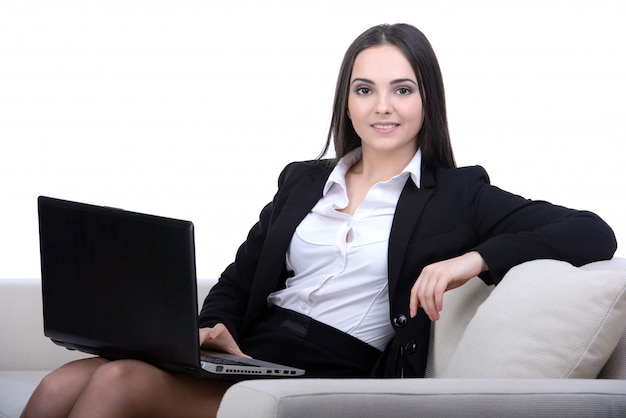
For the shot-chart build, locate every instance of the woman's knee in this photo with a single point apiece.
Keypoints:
(123, 388)
(121, 379)
(52, 386)
(57, 391)
(134, 388)
(117, 372)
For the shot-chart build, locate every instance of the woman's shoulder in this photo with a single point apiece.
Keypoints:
(312, 165)
(297, 170)
(467, 174)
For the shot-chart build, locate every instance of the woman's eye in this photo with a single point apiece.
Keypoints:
(404, 91)
(363, 90)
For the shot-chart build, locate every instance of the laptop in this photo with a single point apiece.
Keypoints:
(122, 285)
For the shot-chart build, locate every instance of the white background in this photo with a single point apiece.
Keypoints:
(190, 109)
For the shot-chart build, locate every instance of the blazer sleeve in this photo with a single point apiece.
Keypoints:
(513, 230)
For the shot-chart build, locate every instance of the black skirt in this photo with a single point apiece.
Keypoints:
(296, 340)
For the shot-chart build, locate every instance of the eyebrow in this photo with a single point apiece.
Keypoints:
(397, 81)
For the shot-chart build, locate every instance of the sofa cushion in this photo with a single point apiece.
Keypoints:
(15, 389)
(545, 319)
(411, 398)
(459, 307)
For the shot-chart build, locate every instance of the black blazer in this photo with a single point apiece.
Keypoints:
(452, 212)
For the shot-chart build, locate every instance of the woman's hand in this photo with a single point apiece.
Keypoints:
(218, 338)
(436, 278)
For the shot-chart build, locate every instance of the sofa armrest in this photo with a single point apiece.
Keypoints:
(363, 398)
(24, 345)
(21, 326)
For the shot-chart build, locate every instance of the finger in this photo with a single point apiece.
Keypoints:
(438, 299)
(427, 299)
(237, 351)
(439, 291)
(414, 300)
(204, 333)
(211, 336)
(217, 331)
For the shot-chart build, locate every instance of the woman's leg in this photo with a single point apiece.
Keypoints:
(131, 388)
(123, 388)
(58, 391)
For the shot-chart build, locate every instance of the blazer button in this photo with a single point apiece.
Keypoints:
(400, 320)
(410, 347)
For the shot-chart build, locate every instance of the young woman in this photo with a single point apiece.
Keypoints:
(348, 264)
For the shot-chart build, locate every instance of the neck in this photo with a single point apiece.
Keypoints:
(377, 166)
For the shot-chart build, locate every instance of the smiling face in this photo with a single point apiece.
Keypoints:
(384, 101)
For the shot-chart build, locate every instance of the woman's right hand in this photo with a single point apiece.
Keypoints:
(218, 338)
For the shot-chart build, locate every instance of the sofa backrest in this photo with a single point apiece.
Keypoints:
(22, 327)
(459, 307)
(615, 368)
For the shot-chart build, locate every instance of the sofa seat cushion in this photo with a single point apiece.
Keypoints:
(545, 319)
(410, 398)
(15, 390)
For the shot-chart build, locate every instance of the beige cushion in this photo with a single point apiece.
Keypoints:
(545, 319)
(459, 307)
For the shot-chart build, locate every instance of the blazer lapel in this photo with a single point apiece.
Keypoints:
(300, 201)
(408, 211)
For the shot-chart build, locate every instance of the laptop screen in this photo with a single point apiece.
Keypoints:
(119, 284)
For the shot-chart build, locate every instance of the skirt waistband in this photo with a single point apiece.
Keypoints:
(306, 327)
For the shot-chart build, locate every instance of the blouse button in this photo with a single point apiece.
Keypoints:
(400, 320)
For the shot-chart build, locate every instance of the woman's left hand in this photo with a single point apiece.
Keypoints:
(436, 278)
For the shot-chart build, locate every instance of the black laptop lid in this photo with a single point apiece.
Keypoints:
(119, 284)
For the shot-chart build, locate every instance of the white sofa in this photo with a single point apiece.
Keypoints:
(553, 321)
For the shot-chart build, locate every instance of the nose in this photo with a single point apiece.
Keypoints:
(383, 105)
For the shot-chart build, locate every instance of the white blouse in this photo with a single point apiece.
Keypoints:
(340, 261)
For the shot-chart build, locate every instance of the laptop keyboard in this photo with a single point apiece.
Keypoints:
(219, 360)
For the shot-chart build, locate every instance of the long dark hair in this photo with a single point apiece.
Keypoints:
(433, 138)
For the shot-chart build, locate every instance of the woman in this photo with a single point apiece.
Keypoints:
(348, 264)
